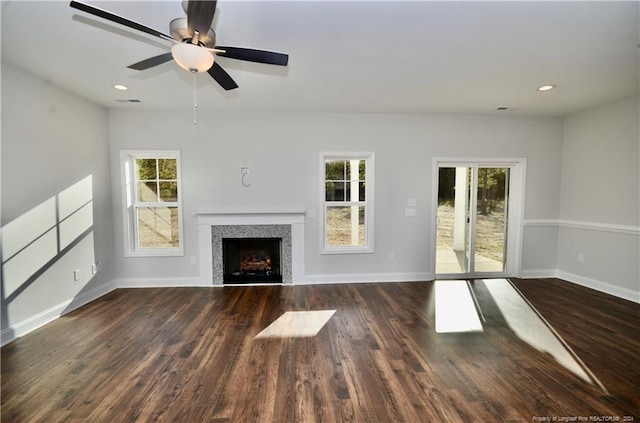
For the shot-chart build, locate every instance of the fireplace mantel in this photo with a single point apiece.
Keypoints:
(207, 219)
(284, 217)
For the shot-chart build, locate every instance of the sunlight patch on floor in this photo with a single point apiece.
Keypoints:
(530, 327)
(455, 308)
(297, 324)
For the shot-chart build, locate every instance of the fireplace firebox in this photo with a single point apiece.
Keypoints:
(251, 260)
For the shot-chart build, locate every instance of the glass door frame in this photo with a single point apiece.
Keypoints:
(517, 172)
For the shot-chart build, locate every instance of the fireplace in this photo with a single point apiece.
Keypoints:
(249, 260)
(213, 226)
(254, 233)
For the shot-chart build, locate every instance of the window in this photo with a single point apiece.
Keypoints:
(153, 200)
(347, 198)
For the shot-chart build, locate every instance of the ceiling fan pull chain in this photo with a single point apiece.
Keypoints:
(195, 100)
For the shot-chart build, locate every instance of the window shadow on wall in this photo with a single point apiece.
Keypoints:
(35, 241)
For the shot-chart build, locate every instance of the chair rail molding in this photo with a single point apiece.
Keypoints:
(591, 226)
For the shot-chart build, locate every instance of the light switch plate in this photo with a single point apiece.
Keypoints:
(410, 211)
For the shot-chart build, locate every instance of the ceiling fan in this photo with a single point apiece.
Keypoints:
(194, 41)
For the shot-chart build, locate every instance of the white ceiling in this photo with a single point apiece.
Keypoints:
(347, 56)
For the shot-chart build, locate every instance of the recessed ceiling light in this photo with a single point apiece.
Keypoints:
(546, 87)
(120, 87)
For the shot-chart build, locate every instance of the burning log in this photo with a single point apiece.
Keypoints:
(255, 263)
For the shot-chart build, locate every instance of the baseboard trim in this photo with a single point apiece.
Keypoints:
(162, 283)
(28, 325)
(607, 288)
(366, 278)
(539, 273)
(309, 280)
(34, 322)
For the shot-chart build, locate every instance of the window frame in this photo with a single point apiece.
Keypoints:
(368, 203)
(129, 179)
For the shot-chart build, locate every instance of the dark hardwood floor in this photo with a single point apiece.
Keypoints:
(190, 355)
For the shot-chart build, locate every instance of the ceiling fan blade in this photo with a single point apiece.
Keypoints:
(252, 55)
(151, 62)
(222, 77)
(117, 19)
(200, 15)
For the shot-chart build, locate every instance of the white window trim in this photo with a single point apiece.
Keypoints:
(368, 247)
(126, 173)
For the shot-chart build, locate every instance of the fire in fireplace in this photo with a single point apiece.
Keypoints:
(249, 260)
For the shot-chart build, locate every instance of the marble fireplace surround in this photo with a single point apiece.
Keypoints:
(213, 225)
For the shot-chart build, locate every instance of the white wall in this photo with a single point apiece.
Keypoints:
(282, 150)
(600, 199)
(51, 140)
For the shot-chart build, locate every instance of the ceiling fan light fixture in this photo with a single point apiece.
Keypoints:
(192, 57)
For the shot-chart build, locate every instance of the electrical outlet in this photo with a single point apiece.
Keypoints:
(580, 258)
(76, 275)
(94, 268)
(194, 260)
(392, 256)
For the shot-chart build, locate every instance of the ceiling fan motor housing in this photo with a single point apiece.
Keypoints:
(180, 32)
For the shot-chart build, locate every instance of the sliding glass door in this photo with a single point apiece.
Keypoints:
(472, 219)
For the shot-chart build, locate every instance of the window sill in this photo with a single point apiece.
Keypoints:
(347, 250)
(173, 252)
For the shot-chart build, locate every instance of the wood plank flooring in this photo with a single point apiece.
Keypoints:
(190, 355)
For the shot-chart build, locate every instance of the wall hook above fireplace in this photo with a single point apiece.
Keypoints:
(244, 176)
